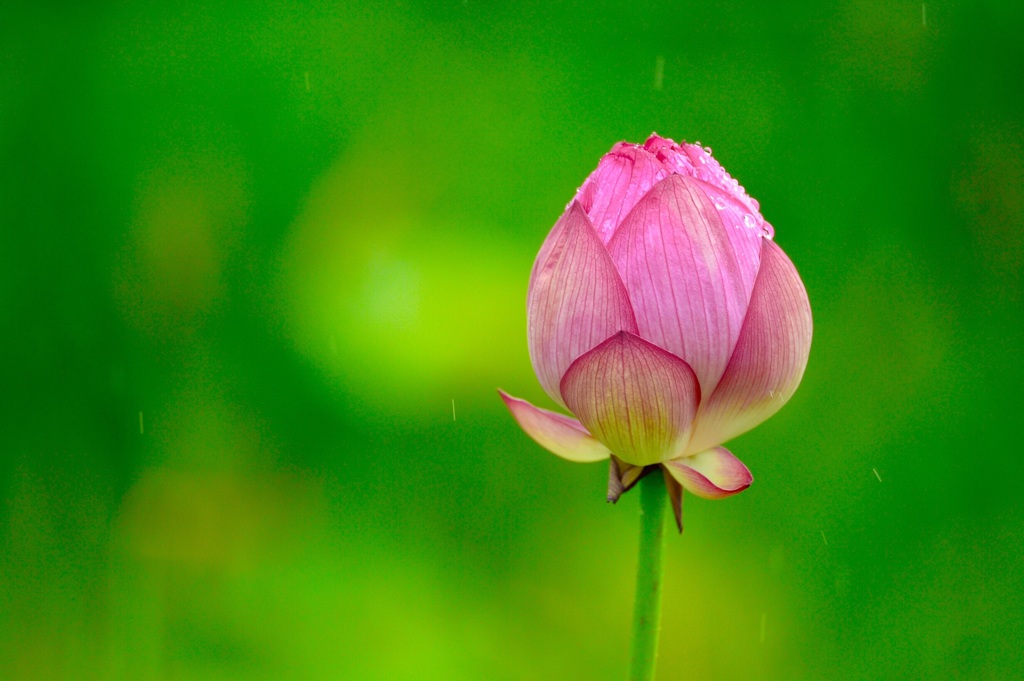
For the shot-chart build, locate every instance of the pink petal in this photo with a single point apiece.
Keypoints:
(623, 176)
(712, 474)
(686, 281)
(740, 213)
(636, 398)
(576, 299)
(746, 232)
(555, 432)
(769, 359)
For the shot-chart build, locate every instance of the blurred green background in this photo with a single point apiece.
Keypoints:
(262, 267)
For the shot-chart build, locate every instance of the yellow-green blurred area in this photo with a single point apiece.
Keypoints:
(263, 266)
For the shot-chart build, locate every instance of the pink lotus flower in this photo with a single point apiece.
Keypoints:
(663, 316)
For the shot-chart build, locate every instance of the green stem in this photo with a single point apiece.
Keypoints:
(647, 606)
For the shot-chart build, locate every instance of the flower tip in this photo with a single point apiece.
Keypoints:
(656, 142)
(576, 206)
